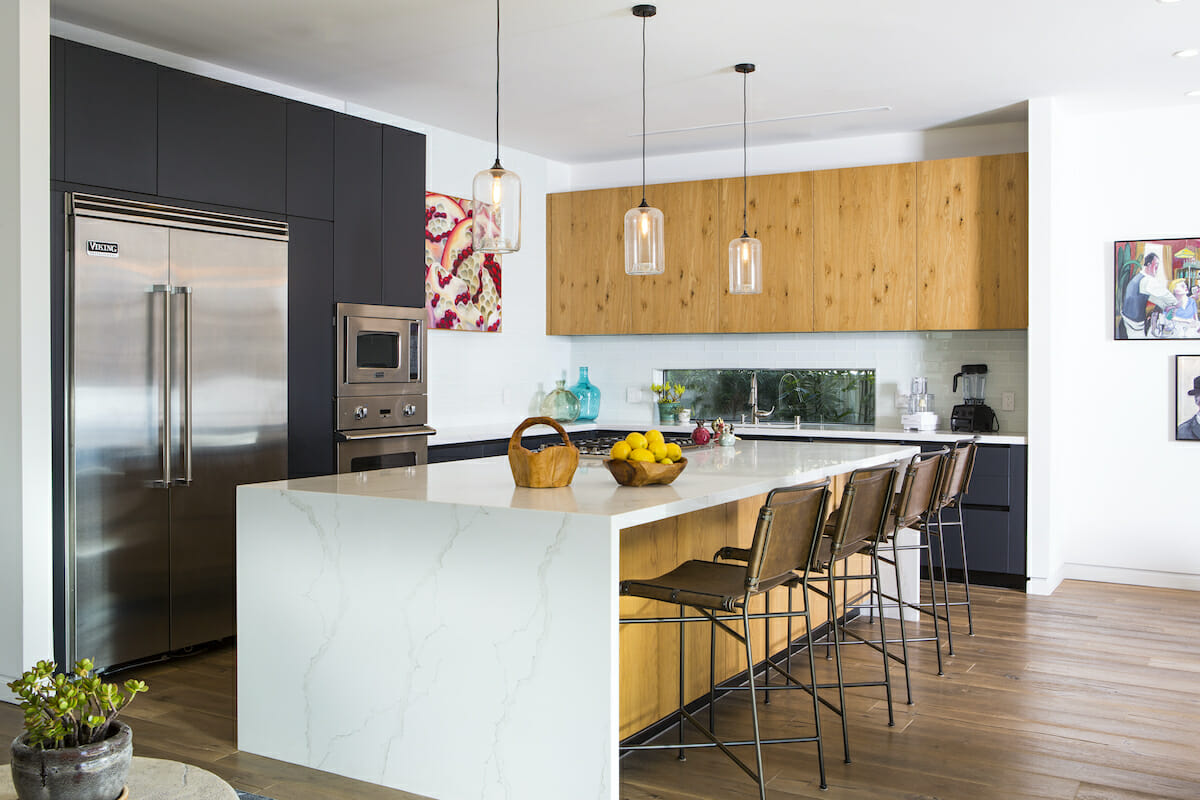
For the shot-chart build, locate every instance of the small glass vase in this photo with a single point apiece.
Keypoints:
(560, 405)
(589, 396)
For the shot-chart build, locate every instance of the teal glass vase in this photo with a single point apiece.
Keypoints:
(589, 396)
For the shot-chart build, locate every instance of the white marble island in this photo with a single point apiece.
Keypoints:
(435, 629)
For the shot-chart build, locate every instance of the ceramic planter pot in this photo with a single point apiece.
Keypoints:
(667, 412)
(91, 772)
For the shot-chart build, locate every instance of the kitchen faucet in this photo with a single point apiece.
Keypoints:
(755, 414)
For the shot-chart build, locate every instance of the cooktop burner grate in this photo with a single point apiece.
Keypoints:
(602, 445)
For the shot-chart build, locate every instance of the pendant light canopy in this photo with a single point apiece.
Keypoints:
(745, 252)
(644, 224)
(496, 193)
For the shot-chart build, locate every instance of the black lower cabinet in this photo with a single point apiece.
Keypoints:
(310, 348)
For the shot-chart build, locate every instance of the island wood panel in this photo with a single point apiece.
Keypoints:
(649, 653)
(973, 243)
(780, 215)
(684, 298)
(865, 243)
(587, 290)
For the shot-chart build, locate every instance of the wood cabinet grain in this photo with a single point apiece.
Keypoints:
(973, 243)
(587, 290)
(780, 215)
(865, 243)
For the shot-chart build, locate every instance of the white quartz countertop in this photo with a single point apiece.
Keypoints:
(714, 475)
(458, 434)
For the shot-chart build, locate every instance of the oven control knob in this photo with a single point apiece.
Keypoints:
(360, 412)
(409, 410)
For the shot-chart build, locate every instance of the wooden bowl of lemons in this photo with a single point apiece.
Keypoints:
(643, 459)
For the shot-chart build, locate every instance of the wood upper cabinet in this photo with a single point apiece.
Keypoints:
(684, 298)
(973, 243)
(781, 216)
(587, 290)
(865, 244)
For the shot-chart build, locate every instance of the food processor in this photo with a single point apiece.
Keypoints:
(920, 416)
(972, 414)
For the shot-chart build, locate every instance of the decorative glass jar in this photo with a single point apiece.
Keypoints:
(561, 405)
(588, 395)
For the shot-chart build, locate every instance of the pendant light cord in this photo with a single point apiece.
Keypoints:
(643, 111)
(745, 162)
(497, 85)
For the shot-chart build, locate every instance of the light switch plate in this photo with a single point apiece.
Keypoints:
(633, 394)
(1008, 401)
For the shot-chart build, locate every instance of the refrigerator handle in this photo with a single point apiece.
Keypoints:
(186, 398)
(165, 398)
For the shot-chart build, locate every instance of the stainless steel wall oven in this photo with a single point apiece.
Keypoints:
(381, 410)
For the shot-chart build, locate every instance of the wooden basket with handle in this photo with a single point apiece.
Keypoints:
(549, 469)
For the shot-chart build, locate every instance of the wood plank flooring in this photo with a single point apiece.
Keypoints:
(1090, 694)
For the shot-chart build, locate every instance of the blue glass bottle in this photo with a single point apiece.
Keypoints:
(589, 396)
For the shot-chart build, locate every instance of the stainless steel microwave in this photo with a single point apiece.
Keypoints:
(380, 350)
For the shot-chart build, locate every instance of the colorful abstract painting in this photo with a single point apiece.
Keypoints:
(462, 287)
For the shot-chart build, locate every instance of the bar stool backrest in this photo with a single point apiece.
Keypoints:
(918, 491)
(863, 515)
(789, 527)
(957, 473)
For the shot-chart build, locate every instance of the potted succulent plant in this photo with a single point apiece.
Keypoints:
(73, 747)
(668, 400)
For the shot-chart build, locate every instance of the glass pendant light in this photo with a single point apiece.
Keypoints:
(496, 193)
(644, 224)
(745, 252)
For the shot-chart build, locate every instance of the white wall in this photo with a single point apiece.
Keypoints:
(25, 544)
(1122, 497)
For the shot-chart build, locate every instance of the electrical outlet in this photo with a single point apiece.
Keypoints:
(633, 394)
(901, 400)
(1008, 401)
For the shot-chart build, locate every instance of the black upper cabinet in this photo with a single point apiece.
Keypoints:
(58, 107)
(310, 161)
(219, 143)
(403, 218)
(357, 210)
(109, 119)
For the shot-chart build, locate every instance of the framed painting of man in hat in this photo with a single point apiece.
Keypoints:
(1187, 391)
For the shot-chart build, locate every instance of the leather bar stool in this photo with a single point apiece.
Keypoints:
(857, 526)
(956, 480)
(915, 504)
(786, 536)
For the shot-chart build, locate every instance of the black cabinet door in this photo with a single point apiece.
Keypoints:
(110, 119)
(991, 477)
(403, 218)
(58, 107)
(357, 210)
(310, 347)
(309, 161)
(219, 143)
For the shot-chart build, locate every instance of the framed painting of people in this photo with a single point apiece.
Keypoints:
(1187, 398)
(1156, 289)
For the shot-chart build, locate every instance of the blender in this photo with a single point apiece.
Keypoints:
(972, 414)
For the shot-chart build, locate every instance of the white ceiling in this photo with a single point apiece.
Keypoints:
(570, 69)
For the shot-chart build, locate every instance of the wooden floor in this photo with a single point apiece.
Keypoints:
(1090, 694)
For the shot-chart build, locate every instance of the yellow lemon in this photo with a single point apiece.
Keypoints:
(674, 451)
(665, 461)
(641, 454)
(654, 436)
(621, 451)
(636, 440)
(659, 449)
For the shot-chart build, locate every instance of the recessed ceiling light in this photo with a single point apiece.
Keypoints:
(1193, 93)
(1164, 2)
(1190, 52)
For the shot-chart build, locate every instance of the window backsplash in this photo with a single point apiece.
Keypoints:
(829, 396)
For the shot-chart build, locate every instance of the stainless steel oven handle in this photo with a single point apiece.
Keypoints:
(396, 433)
(186, 396)
(164, 417)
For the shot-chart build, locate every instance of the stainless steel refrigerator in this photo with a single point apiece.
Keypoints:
(176, 393)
